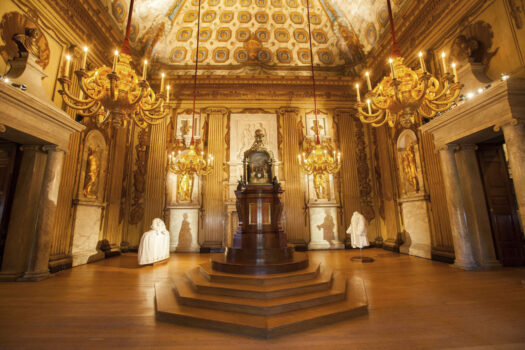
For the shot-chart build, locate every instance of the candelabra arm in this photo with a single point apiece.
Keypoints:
(140, 96)
(81, 76)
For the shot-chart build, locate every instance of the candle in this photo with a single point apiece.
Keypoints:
(369, 108)
(168, 93)
(455, 72)
(368, 81)
(162, 82)
(391, 61)
(84, 59)
(144, 70)
(68, 61)
(115, 59)
(358, 93)
(422, 62)
(444, 62)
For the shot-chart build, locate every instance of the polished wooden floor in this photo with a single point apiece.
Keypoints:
(414, 304)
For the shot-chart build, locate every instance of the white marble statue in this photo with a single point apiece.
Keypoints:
(357, 231)
(154, 244)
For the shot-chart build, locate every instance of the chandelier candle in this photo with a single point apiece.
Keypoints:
(444, 62)
(68, 62)
(115, 59)
(358, 93)
(391, 61)
(162, 82)
(145, 70)
(454, 71)
(84, 58)
(368, 81)
(422, 62)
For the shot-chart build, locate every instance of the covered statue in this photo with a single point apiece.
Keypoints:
(154, 244)
(357, 231)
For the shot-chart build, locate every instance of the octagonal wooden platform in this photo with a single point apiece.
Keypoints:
(263, 306)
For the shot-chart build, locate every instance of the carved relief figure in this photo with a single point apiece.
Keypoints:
(410, 168)
(185, 238)
(321, 185)
(92, 172)
(184, 187)
(327, 226)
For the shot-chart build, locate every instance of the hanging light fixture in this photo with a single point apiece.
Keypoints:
(115, 94)
(321, 161)
(405, 94)
(189, 162)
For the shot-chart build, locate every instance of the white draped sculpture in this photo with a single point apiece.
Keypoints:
(154, 244)
(357, 231)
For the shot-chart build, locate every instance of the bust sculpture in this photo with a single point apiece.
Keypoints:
(258, 162)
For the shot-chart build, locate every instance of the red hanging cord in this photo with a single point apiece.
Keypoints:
(125, 44)
(195, 78)
(313, 76)
(395, 48)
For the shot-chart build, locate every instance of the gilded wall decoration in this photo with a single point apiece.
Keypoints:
(516, 11)
(91, 181)
(14, 23)
(363, 173)
(139, 177)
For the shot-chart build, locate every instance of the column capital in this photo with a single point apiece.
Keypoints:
(37, 148)
(508, 122)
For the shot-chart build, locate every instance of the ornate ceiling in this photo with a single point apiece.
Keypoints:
(271, 33)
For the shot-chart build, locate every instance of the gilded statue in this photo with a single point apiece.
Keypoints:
(410, 168)
(92, 172)
(184, 187)
(321, 182)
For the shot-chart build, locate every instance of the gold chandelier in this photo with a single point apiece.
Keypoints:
(320, 161)
(116, 93)
(188, 163)
(405, 94)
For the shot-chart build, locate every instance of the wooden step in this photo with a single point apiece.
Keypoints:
(200, 284)
(169, 310)
(187, 296)
(219, 262)
(259, 280)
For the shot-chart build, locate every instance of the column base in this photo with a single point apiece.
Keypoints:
(34, 276)
(465, 265)
(81, 258)
(418, 249)
(392, 245)
(10, 276)
(192, 249)
(492, 264)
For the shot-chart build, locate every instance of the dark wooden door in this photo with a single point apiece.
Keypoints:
(8, 157)
(501, 202)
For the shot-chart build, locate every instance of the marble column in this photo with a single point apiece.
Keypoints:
(38, 265)
(24, 213)
(514, 134)
(464, 256)
(475, 206)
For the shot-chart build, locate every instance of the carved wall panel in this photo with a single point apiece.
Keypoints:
(442, 244)
(294, 213)
(214, 211)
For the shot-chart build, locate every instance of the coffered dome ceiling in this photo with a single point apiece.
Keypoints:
(270, 33)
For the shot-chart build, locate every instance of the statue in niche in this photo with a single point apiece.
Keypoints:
(185, 239)
(184, 187)
(321, 186)
(92, 172)
(327, 226)
(258, 161)
(247, 136)
(410, 168)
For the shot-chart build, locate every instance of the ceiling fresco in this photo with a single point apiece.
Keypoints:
(270, 32)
